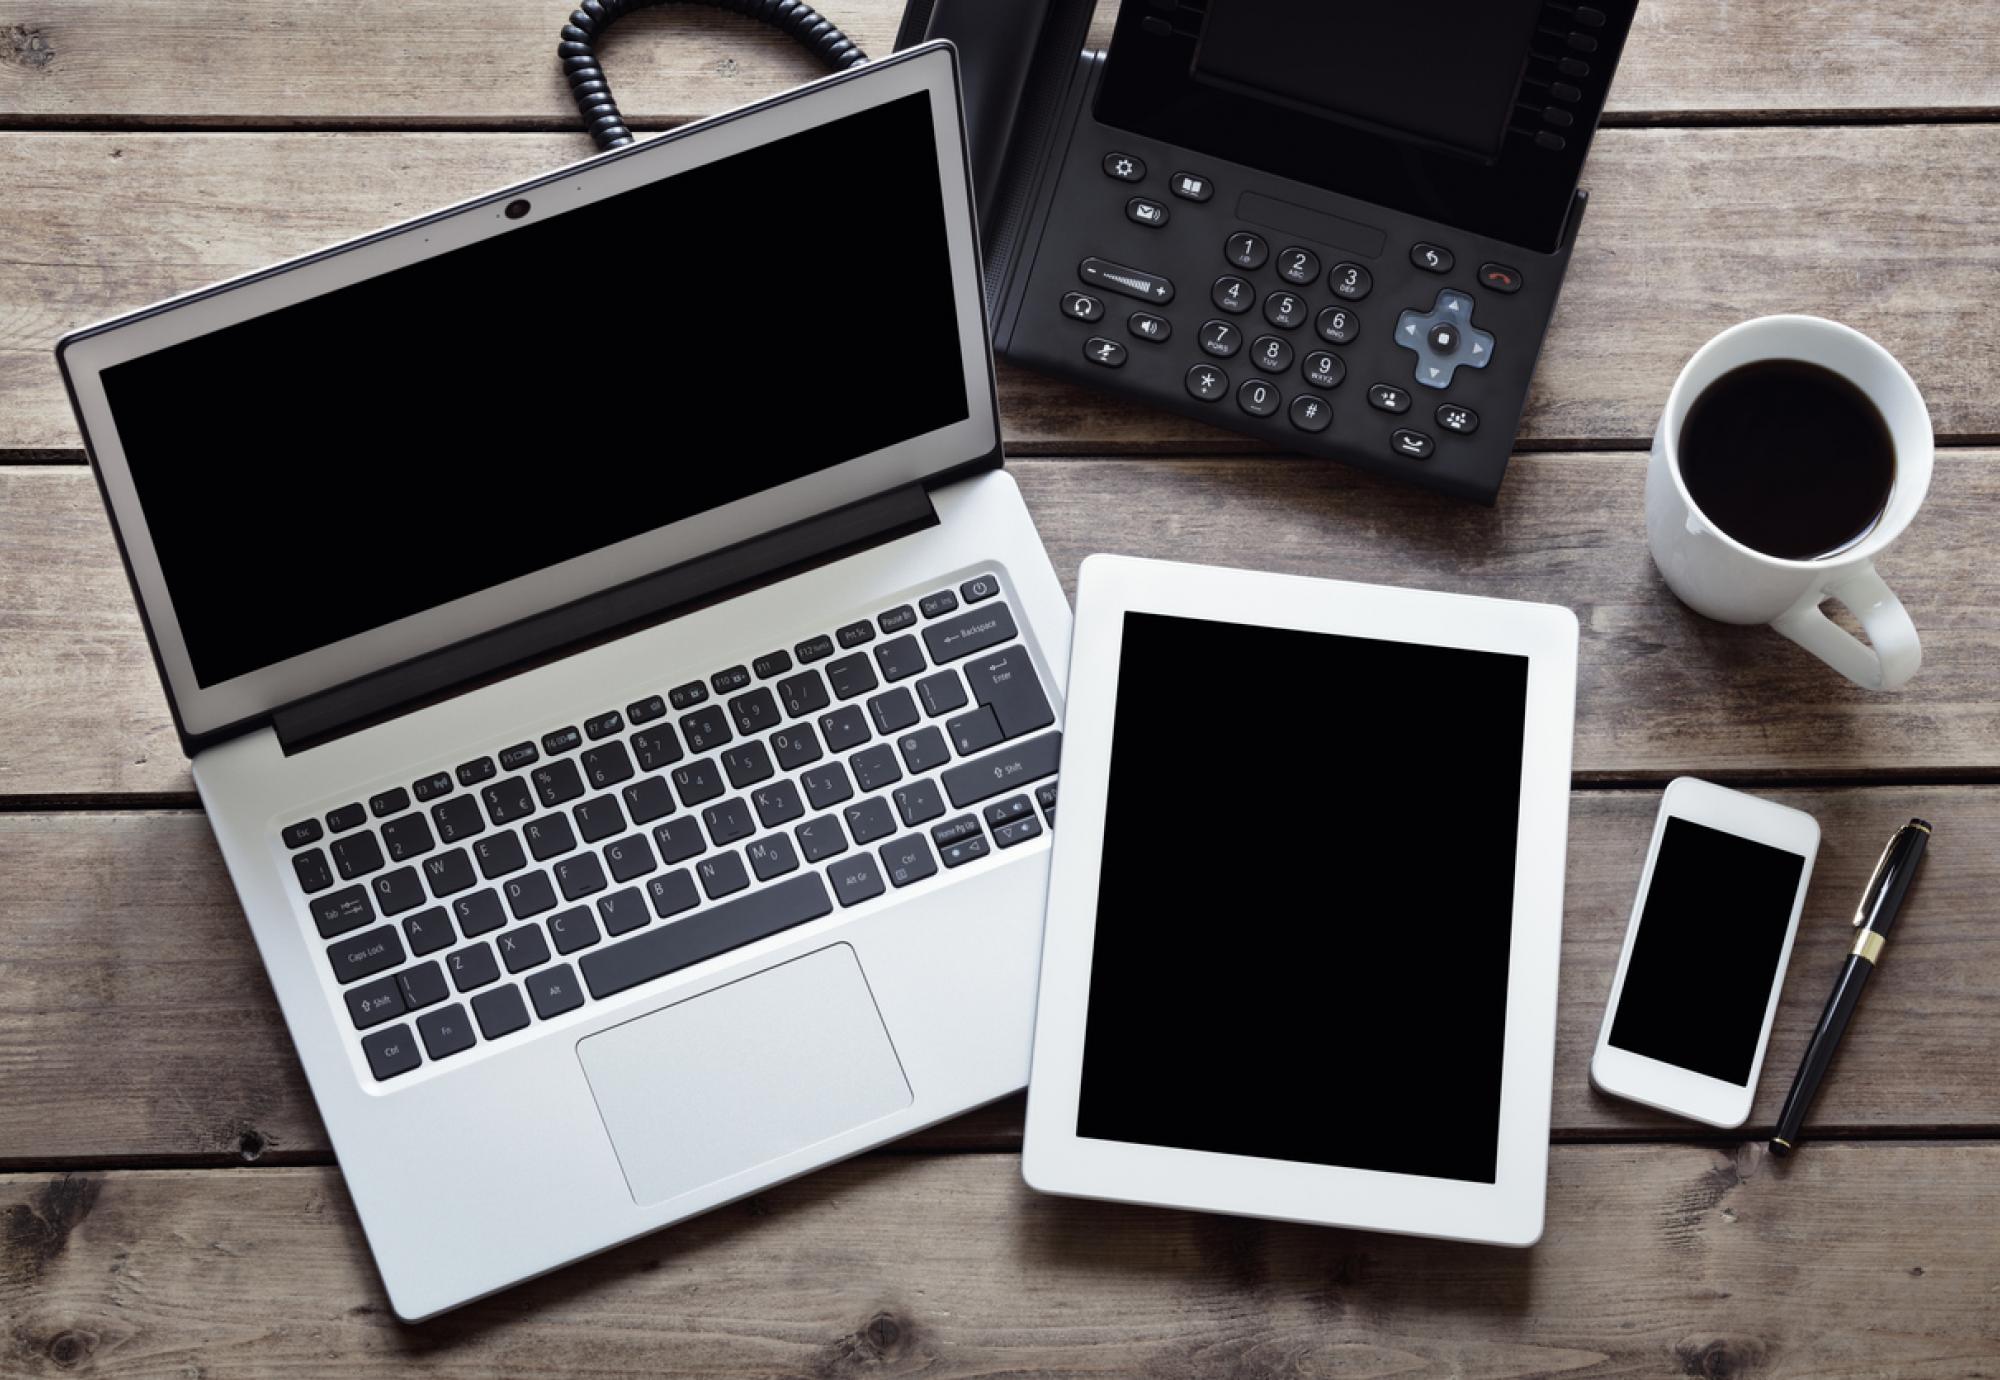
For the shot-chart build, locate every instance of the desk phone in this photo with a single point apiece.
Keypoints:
(1337, 227)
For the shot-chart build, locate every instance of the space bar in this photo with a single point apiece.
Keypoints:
(705, 934)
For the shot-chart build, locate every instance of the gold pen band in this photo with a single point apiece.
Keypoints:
(1868, 945)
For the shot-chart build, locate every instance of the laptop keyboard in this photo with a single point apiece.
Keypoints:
(636, 842)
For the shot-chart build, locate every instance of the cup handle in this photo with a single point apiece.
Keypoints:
(1890, 656)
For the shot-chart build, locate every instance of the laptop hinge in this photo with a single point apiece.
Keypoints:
(612, 613)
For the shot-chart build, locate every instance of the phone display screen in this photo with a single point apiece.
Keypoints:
(1710, 937)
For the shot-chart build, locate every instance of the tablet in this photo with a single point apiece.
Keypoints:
(1305, 905)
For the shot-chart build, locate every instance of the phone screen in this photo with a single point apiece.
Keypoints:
(1710, 937)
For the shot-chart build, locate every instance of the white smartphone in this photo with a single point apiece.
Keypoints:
(1705, 955)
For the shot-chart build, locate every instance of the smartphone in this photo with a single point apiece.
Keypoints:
(1705, 955)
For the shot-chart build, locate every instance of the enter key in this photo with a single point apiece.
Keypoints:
(1005, 682)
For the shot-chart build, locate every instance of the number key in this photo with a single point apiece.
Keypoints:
(1298, 265)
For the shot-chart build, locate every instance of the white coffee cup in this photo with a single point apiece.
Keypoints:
(1717, 575)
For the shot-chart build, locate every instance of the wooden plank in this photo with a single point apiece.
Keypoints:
(139, 1024)
(493, 61)
(1661, 690)
(1856, 1261)
(1886, 228)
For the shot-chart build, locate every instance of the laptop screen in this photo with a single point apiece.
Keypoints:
(406, 440)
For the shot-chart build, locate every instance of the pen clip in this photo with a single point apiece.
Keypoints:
(1875, 880)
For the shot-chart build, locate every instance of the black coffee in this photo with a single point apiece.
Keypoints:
(1789, 458)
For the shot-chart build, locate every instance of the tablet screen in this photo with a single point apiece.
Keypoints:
(1306, 898)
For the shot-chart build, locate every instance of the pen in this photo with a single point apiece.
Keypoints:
(1874, 917)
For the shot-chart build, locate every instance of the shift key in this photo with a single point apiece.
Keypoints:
(1012, 768)
(968, 631)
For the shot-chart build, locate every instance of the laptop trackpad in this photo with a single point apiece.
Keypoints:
(744, 1074)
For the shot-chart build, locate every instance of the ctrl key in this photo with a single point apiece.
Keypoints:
(391, 1052)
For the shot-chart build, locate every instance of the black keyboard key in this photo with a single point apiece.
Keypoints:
(1045, 796)
(356, 855)
(1020, 831)
(923, 749)
(875, 767)
(896, 619)
(856, 879)
(939, 604)
(772, 857)
(582, 875)
(754, 711)
(499, 855)
(827, 785)
(907, 859)
(576, 928)
(629, 858)
(1005, 682)
(747, 764)
(599, 818)
(431, 787)
(398, 891)
(679, 840)
(771, 664)
(304, 832)
(561, 740)
(603, 725)
(558, 782)
(843, 728)
(392, 801)
(778, 803)
(804, 693)
(391, 1052)
(722, 875)
(479, 913)
(697, 782)
(375, 1002)
(683, 696)
(814, 649)
(729, 681)
(869, 820)
(964, 851)
(607, 765)
(530, 895)
(821, 838)
(428, 931)
(500, 1012)
(646, 710)
(648, 799)
(458, 820)
(953, 830)
(893, 711)
(623, 911)
(1002, 811)
(472, 967)
(342, 912)
(655, 953)
(855, 634)
(518, 756)
(555, 992)
(365, 954)
(346, 817)
(408, 837)
(672, 894)
(705, 728)
(973, 630)
(446, 1032)
(523, 947)
(657, 748)
(1012, 767)
(985, 586)
(796, 747)
(851, 676)
(422, 986)
(900, 659)
(919, 801)
(549, 837)
(941, 693)
(477, 770)
(728, 821)
(449, 873)
(314, 874)
(508, 800)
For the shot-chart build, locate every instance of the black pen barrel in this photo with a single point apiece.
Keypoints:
(1819, 1054)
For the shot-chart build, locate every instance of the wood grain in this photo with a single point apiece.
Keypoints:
(1661, 690)
(1681, 241)
(139, 1024)
(1658, 1260)
(465, 62)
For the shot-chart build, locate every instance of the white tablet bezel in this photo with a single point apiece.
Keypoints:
(1669, 1087)
(1056, 1160)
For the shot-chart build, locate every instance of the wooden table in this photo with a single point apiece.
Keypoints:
(168, 1201)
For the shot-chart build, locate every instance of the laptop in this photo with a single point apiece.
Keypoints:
(625, 687)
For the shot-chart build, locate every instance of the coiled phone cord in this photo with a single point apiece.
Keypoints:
(578, 50)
